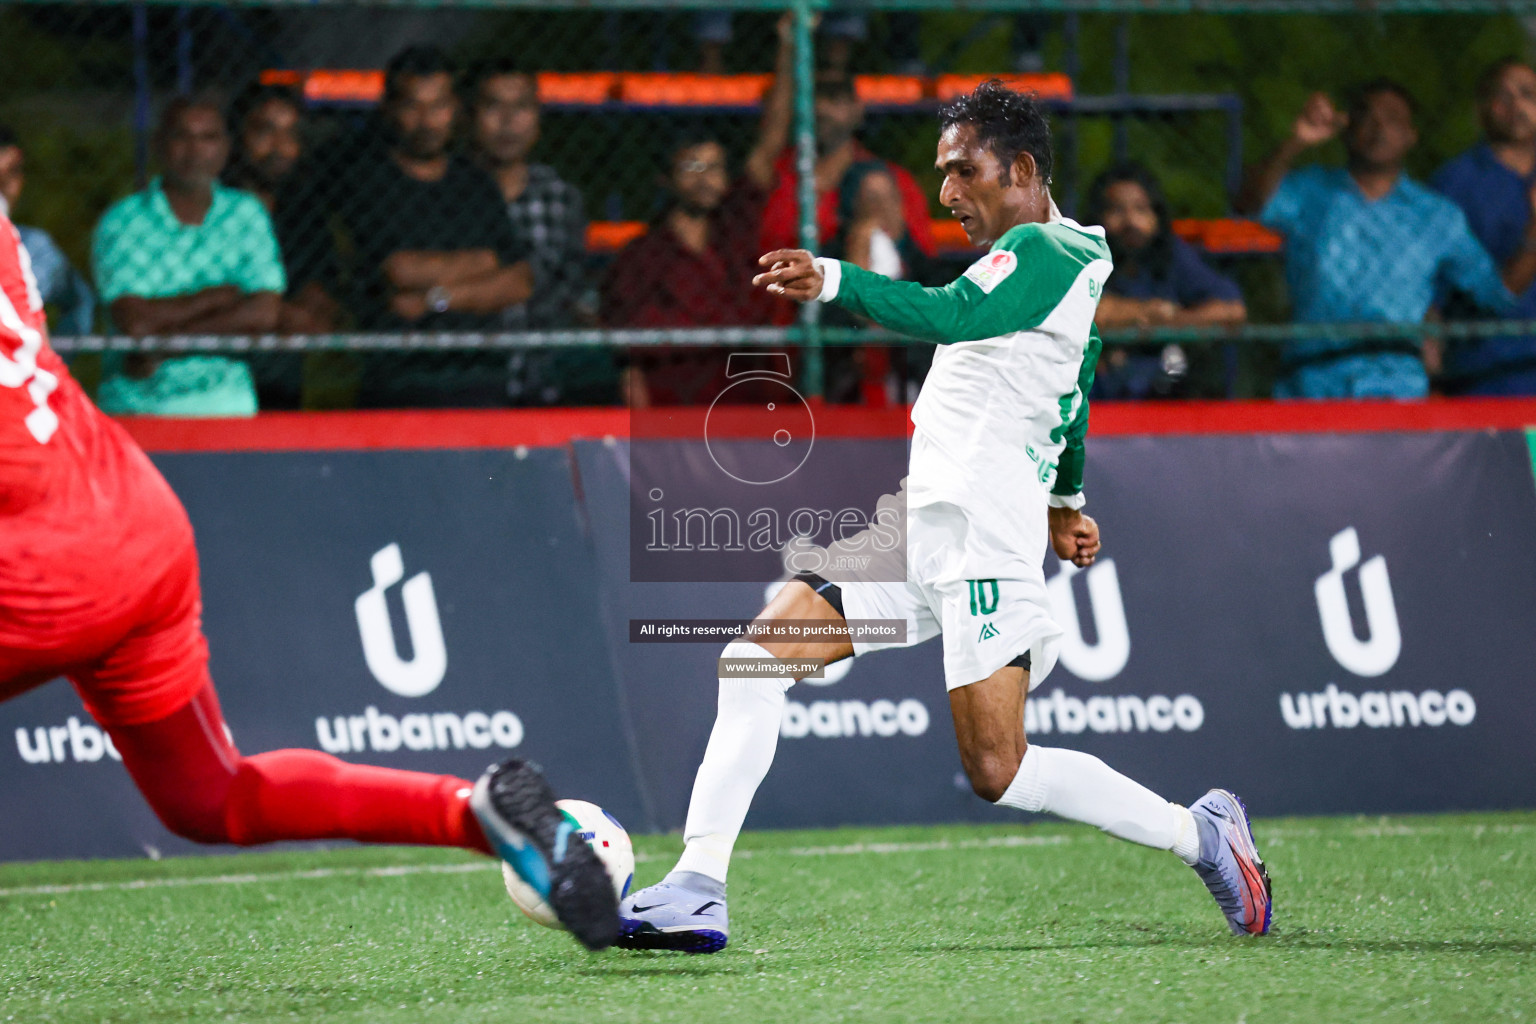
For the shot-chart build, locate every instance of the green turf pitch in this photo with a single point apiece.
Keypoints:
(1406, 919)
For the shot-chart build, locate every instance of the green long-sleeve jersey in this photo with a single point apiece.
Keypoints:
(1004, 410)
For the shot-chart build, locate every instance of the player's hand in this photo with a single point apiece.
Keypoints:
(791, 273)
(1074, 536)
(786, 27)
(1318, 121)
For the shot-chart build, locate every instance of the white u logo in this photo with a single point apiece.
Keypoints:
(1373, 656)
(1104, 659)
(429, 660)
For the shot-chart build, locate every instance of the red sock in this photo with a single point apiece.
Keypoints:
(202, 788)
(304, 794)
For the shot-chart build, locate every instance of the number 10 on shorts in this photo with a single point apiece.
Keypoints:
(983, 596)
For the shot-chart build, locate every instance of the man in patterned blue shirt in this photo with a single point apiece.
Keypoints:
(1494, 183)
(1364, 243)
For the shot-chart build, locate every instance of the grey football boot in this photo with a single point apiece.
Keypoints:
(684, 912)
(1229, 863)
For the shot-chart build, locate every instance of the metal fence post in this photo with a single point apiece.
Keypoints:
(1122, 84)
(141, 96)
(184, 76)
(805, 162)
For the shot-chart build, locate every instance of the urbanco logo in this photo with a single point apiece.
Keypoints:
(1377, 653)
(429, 655)
(1106, 658)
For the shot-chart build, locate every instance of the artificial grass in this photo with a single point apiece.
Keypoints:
(1402, 919)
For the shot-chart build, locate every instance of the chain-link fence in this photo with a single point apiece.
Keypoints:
(342, 205)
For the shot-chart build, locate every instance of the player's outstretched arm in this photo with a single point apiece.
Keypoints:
(994, 297)
(941, 315)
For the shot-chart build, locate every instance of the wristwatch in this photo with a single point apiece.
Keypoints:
(438, 298)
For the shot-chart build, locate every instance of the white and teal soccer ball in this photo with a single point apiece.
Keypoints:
(608, 840)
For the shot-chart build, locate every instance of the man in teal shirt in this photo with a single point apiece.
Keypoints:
(187, 256)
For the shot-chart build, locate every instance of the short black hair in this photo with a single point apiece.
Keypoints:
(1118, 173)
(1157, 258)
(1489, 79)
(833, 85)
(415, 62)
(1006, 122)
(1360, 96)
(257, 95)
(490, 67)
(8, 137)
(180, 104)
(687, 133)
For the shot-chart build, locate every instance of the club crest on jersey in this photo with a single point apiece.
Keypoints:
(992, 269)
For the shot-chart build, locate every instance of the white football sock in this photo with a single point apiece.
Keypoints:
(740, 750)
(1080, 787)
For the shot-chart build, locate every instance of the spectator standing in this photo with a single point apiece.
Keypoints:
(1159, 281)
(869, 211)
(433, 247)
(266, 131)
(264, 123)
(1364, 243)
(61, 285)
(547, 213)
(1494, 183)
(549, 220)
(187, 255)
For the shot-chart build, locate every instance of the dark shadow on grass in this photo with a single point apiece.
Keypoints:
(1315, 941)
(1147, 942)
(1291, 942)
(638, 965)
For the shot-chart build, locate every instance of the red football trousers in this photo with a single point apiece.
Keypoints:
(202, 788)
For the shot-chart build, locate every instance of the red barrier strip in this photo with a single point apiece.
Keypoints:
(322, 431)
(1111, 418)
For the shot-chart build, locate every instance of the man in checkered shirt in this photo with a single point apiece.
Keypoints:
(549, 217)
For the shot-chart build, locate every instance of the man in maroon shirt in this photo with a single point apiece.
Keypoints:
(694, 267)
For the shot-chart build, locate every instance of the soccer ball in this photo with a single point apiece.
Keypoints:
(608, 840)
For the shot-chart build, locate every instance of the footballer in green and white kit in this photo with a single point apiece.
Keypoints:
(995, 475)
(1000, 424)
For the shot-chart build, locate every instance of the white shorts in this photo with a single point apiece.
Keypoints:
(984, 594)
